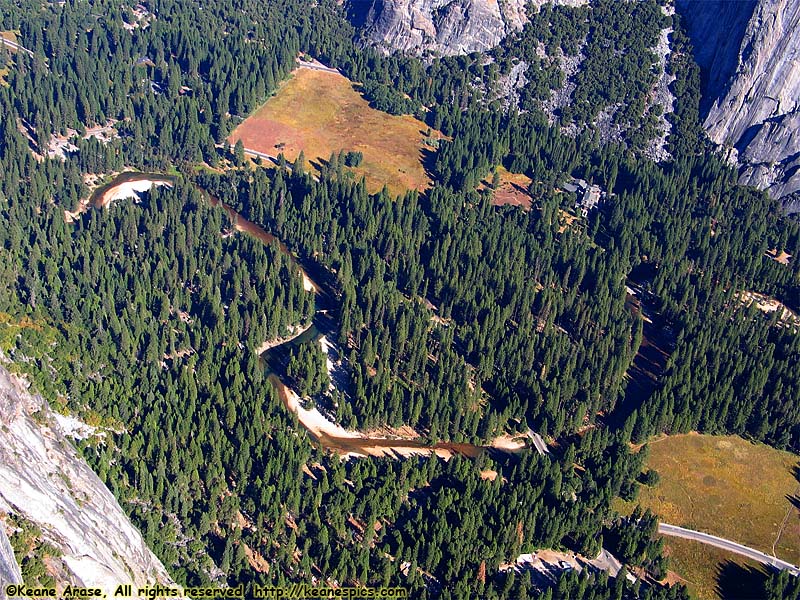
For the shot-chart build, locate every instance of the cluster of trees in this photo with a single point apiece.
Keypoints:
(618, 42)
(31, 551)
(353, 158)
(177, 86)
(209, 464)
(307, 369)
(634, 541)
(781, 585)
(589, 587)
(438, 303)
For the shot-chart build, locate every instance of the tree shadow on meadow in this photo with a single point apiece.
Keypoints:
(428, 159)
(794, 499)
(738, 582)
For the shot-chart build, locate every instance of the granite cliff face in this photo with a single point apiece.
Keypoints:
(43, 480)
(9, 569)
(749, 53)
(442, 27)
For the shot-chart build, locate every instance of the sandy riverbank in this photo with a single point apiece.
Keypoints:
(294, 332)
(356, 444)
(128, 184)
(128, 189)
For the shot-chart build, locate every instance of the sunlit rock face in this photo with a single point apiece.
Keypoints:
(43, 480)
(749, 53)
(441, 27)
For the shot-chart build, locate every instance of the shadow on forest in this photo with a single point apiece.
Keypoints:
(658, 342)
(737, 582)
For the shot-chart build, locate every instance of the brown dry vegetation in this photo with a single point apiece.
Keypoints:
(729, 487)
(11, 36)
(320, 112)
(701, 568)
(513, 189)
(726, 486)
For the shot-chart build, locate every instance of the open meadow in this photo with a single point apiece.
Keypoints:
(710, 573)
(321, 112)
(729, 487)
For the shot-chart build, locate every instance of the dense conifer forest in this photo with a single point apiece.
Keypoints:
(459, 318)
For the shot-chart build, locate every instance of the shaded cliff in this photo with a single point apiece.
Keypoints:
(749, 54)
(9, 569)
(45, 482)
(442, 27)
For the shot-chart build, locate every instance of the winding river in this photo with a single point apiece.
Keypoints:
(327, 433)
(127, 185)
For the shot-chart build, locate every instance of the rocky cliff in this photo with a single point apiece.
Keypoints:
(749, 53)
(44, 481)
(442, 27)
(9, 569)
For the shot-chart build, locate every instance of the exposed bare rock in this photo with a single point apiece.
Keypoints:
(771, 159)
(561, 97)
(509, 85)
(749, 53)
(442, 27)
(9, 569)
(662, 94)
(45, 481)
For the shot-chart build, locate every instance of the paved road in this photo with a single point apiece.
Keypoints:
(15, 46)
(316, 67)
(717, 542)
(257, 154)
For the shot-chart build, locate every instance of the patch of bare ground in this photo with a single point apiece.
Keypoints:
(256, 561)
(768, 305)
(61, 145)
(781, 257)
(512, 189)
(488, 474)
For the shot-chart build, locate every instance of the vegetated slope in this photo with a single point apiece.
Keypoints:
(603, 66)
(211, 465)
(46, 484)
(320, 114)
(751, 96)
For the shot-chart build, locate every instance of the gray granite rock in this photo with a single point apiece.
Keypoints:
(45, 481)
(749, 53)
(441, 27)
